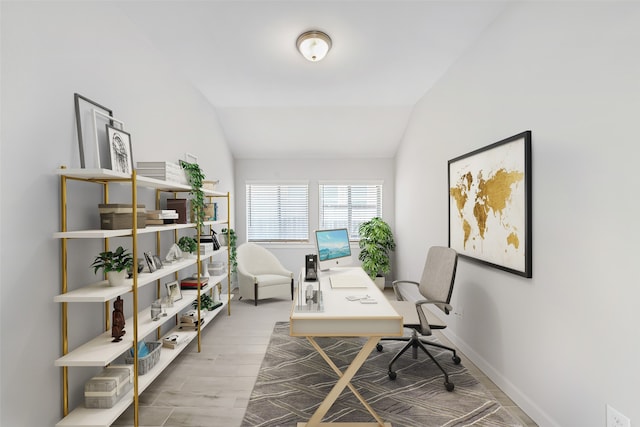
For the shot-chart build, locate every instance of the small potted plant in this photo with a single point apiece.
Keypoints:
(188, 245)
(206, 303)
(376, 241)
(115, 264)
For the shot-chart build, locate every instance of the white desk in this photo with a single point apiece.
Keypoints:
(344, 318)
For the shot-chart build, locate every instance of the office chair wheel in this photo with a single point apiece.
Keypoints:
(379, 347)
(456, 360)
(392, 375)
(449, 386)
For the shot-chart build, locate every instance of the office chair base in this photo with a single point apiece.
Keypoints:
(414, 343)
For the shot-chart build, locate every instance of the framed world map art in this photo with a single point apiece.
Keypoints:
(490, 204)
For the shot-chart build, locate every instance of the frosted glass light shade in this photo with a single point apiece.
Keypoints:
(314, 45)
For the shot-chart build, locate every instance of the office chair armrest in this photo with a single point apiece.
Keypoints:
(442, 304)
(395, 287)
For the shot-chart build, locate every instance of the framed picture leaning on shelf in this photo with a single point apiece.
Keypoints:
(173, 290)
(120, 149)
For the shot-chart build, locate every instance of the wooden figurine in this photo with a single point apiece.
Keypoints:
(117, 330)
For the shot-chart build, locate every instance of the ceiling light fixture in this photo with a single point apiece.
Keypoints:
(314, 45)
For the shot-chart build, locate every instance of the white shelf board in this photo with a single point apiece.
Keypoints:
(143, 181)
(101, 351)
(102, 292)
(103, 234)
(84, 417)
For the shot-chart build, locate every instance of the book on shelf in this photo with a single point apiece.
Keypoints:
(173, 340)
(160, 221)
(192, 282)
(166, 214)
(190, 326)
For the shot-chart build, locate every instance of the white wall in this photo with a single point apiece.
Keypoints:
(312, 171)
(564, 343)
(50, 51)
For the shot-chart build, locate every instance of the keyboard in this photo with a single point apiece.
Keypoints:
(347, 280)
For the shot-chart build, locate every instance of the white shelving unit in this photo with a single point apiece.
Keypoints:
(101, 350)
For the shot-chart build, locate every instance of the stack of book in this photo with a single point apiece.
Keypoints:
(189, 320)
(192, 283)
(165, 171)
(163, 216)
(174, 340)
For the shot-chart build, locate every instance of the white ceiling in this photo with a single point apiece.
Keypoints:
(272, 103)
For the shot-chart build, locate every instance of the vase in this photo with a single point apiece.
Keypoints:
(379, 280)
(116, 278)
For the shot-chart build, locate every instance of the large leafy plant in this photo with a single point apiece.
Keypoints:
(376, 241)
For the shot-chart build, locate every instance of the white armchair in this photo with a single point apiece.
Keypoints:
(261, 275)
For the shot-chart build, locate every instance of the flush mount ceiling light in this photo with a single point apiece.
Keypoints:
(314, 45)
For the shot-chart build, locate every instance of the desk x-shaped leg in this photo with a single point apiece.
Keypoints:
(344, 381)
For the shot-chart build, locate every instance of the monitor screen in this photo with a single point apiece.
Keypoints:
(333, 248)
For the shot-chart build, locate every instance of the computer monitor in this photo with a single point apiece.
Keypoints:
(333, 248)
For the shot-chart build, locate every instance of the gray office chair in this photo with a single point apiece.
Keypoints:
(435, 287)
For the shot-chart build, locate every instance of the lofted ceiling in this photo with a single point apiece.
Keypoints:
(272, 103)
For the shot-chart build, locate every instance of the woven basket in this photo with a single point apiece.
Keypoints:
(149, 361)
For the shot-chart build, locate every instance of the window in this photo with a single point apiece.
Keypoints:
(349, 205)
(277, 212)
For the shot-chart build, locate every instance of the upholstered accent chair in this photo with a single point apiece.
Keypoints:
(261, 275)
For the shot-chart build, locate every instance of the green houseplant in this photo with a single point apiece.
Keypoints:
(206, 303)
(376, 241)
(115, 264)
(195, 176)
(188, 244)
(232, 248)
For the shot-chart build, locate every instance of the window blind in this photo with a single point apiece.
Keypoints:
(349, 205)
(277, 212)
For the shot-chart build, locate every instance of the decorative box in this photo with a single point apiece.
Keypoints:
(165, 171)
(118, 221)
(180, 206)
(119, 208)
(106, 388)
(117, 216)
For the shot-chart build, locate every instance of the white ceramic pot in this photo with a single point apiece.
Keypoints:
(116, 278)
(379, 281)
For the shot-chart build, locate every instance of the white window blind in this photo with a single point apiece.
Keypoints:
(277, 212)
(349, 205)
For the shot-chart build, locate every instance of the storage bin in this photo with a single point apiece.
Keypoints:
(216, 268)
(149, 361)
(119, 221)
(106, 388)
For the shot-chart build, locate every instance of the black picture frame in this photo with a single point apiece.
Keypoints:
(93, 154)
(157, 262)
(490, 202)
(120, 150)
(150, 263)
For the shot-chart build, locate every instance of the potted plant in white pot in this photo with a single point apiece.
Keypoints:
(188, 245)
(115, 264)
(376, 241)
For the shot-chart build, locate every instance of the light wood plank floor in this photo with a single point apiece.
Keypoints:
(212, 388)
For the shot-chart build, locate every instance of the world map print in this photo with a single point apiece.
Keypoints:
(487, 205)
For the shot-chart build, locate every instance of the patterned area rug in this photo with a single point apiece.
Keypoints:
(294, 379)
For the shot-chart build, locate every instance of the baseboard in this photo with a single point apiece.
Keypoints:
(521, 399)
